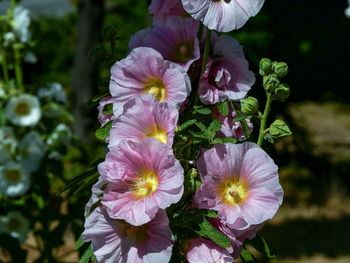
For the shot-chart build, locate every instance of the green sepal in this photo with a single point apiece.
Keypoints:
(279, 129)
(102, 133)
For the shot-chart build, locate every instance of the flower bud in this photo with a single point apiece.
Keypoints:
(249, 105)
(280, 69)
(271, 82)
(282, 92)
(279, 129)
(265, 67)
(109, 33)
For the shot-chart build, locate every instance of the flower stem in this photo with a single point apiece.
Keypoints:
(18, 69)
(5, 69)
(206, 50)
(264, 119)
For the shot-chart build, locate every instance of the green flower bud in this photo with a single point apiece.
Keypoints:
(249, 106)
(279, 129)
(271, 82)
(280, 69)
(109, 33)
(282, 92)
(265, 67)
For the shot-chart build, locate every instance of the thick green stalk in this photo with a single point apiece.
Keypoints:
(5, 69)
(18, 69)
(264, 119)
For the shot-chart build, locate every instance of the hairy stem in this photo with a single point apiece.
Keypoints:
(264, 119)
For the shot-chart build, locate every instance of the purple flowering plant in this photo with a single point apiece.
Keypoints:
(185, 178)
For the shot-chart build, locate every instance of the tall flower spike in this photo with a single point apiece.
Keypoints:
(117, 241)
(144, 177)
(240, 181)
(223, 15)
(145, 71)
(176, 40)
(145, 117)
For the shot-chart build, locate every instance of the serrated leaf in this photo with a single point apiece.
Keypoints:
(260, 244)
(186, 124)
(246, 256)
(79, 243)
(208, 231)
(223, 108)
(87, 256)
(102, 133)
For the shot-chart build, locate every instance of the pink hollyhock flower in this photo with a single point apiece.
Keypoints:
(117, 241)
(163, 9)
(228, 75)
(222, 15)
(145, 117)
(240, 181)
(145, 71)
(201, 250)
(230, 128)
(144, 177)
(104, 118)
(176, 40)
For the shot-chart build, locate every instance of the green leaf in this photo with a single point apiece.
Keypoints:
(246, 256)
(87, 256)
(186, 124)
(102, 133)
(279, 129)
(260, 244)
(223, 108)
(79, 243)
(208, 231)
(224, 140)
(108, 109)
(76, 180)
(215, 126)
(201, 110)
(240, 118)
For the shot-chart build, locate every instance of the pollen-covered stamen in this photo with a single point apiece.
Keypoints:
(156, 87)
(13, 175)
(145, 184)
(22, 108)
(157, 132)
(233, 191)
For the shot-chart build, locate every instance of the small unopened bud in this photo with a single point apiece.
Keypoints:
(280, 69)
(265, 67)
(249, 106)
(109, 33)
(279, 129)
(282, 92)
(271, 82)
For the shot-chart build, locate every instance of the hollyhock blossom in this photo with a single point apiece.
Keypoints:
(32, 149)
(240, 181)
(230, 128)
(145, 71)
(14, 179)
(201, 250)
(21, 23)
(15, 224)
(176, 40)
(23, 110)
(222, 15)
(163, 9)
(228, 75)
(145, 117)
(117, 241)
(103, 117)
(53, 91)
(144, 177)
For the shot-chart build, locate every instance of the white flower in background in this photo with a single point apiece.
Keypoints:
(30, 58)
(61, 136)
(23, 110)
(8, 144)
(53, 91)
(21, 22)
(14, 179)
(14, 224)
(9, 38)
(32, 149)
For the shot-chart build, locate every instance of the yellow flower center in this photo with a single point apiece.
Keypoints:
(233, 190)
(22, 108)
(13, 175)
(156, 87)
(156, 132)
(145, 184)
